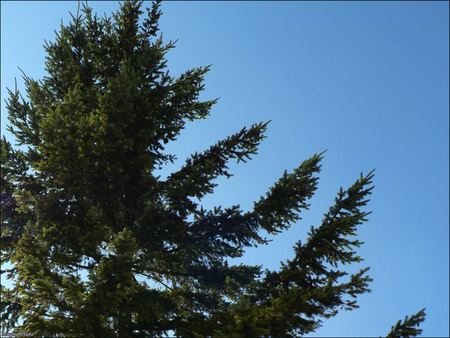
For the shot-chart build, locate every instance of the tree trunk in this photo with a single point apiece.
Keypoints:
(124, 323)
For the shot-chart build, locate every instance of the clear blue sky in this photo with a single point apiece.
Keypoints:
(368, 81)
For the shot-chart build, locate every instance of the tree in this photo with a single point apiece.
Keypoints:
(98, 245)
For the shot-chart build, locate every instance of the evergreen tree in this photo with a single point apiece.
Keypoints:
(98, 245)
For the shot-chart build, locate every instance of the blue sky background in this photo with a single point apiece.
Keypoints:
(368, 81)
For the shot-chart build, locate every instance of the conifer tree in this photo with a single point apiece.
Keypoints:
(98, 245)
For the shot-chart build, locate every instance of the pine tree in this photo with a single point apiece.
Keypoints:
(98, 245)
(407, 328)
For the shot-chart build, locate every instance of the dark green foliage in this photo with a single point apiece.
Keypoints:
(407, 328)
(98, 245)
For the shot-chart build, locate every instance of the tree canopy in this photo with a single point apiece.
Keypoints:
(98, 245)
